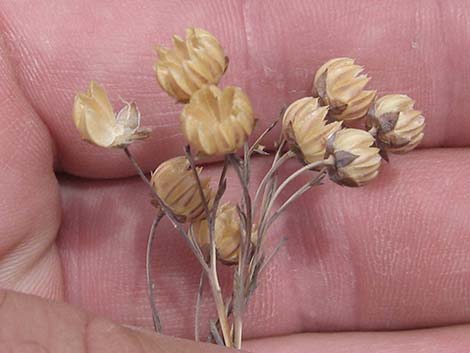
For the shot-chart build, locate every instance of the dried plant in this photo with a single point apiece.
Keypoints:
(218, 122)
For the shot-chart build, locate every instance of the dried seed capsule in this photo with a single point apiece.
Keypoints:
(227, 233)
(340, 85)
(217, 122)
(175, 183)
(397, 125)
(190, 64)
(355, 161)
(95, 119)
(306, 129)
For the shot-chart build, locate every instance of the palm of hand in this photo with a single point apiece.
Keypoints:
(392, 255)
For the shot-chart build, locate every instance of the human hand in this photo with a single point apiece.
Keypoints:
(392, 255)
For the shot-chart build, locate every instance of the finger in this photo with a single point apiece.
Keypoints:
(392, 255)
(29, 206)
(442, 340)
(29, 324)
(407, 47)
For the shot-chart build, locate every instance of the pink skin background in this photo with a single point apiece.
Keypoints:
(394, 255)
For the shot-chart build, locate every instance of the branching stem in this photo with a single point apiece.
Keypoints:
(322, 163)
(307, 186)
(211, 271)
(245, 248)
(168, 212)
(274, 168)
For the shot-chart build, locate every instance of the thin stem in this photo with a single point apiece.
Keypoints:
(245, 244)
(280, 147)
(269, 190)
(214, 278)
(246, 163)
(258, 269)
(260, 137)
(168, 212)
(295, 175)
(213, 214)
(272, 180)
(148, 266)
(258, 263)
(212, 269)
(228, 311)
(215, 333)
(198, 305)
(202, 195)
(307, 186)
(220, 306)
(275, 166)
(287, 181)
(271, 256)
(269, 184)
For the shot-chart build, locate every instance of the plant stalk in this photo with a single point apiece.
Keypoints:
(212, 270)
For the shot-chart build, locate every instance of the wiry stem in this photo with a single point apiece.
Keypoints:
(268, 186)
(212, 269)
(269, 183)
(245, 246)
(274, 168)
(168, 212)
(215, 333)
(148, 265)
(307, 186)
(176, 224)
(294, 175)
(270, 194)
(260, 137)
(271, 256)
(220, 306)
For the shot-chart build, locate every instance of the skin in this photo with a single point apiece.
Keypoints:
(74, 218)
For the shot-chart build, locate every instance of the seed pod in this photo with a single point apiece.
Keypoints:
(190, 64)
(94, 118)
(397, 125)
(175, 183)
(306, 129)
(355, 162)
(340, 85)
(227, 234)
(217, 122)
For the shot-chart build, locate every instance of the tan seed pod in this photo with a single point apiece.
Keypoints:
(340, 84)
(398, 126)
(306, 129)
(355, 161)
(191, 63)
(97, 123)
(227, 233)
(175, 183)
(217, 122)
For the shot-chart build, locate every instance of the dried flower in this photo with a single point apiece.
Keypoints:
(98, 124)
(305, 127)
(175, 183)
(355, 161)
(217, 122)
(340, 84)
(396, 124)
(190, 64)
(227, 233)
